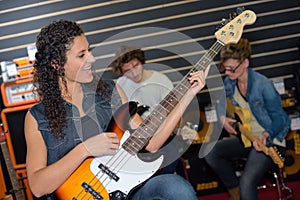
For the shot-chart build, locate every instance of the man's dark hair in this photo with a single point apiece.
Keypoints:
(124, 55)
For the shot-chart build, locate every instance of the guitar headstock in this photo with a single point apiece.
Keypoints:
(232, 31)
(2, 136)
(2, 133)
(277, 159)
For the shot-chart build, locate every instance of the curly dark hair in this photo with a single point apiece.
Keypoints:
(124, 55)
(239, 51)
(52, 44)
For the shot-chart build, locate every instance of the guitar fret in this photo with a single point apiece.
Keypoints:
(135, 143)
(208, 57)
(131, 146)
(163, 108)
(183, 87)
(169, 101)
(158, 117)
(146, 130)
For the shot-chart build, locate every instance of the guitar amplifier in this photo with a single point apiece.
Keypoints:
(13, 124)
(18, 93)
(198, 172)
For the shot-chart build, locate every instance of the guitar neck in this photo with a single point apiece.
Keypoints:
(11, 172)
(150, 125)
(252, 138)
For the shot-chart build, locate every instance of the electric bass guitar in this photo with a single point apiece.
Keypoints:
(16, 189)
(242, 116)
(113, 177)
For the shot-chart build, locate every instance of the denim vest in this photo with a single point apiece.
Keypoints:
(98, 108)
(264, 102)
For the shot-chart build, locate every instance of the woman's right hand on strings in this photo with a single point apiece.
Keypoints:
(227, 124)
(102, 144)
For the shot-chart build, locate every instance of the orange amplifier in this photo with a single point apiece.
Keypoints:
(18, 92)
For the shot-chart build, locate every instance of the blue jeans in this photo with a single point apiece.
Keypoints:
(220, 159)
(166, 187)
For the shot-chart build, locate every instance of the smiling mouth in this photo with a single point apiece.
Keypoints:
(88, 68)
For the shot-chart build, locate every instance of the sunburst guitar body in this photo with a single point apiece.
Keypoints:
(110, 177)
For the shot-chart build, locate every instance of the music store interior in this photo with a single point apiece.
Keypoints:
(176, 36)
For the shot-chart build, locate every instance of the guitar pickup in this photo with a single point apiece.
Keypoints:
(89, 189)
(111, 174)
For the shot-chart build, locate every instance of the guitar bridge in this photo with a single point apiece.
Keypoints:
(111, 174)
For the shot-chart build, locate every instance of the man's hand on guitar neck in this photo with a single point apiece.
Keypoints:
(263, 139)
(227, 124)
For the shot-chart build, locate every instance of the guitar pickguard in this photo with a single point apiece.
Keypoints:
(130, 169)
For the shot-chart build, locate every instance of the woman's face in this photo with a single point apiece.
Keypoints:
(78, 67)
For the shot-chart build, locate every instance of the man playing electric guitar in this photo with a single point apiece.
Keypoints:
(268, 122)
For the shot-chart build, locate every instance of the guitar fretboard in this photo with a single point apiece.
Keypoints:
(11, 172)
(145, 131)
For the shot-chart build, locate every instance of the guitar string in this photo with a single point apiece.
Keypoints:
(117, 160)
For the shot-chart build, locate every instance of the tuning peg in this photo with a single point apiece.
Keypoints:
(223, 23)
(239, 10)
(279, 154)
(218, 27)
(232, 15)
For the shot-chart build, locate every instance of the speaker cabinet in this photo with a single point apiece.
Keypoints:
(13, 123)
(198, 173)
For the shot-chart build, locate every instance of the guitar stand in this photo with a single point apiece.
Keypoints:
(284, 192)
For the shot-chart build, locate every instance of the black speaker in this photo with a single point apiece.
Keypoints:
(198, 172)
